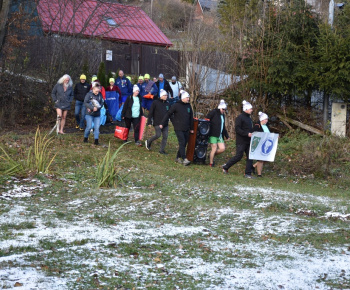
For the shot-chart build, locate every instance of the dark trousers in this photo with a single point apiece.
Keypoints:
(182, 138)
(159, 132)
(136, 124)
(240, 150)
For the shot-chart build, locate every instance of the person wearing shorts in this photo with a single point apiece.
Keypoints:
(217, 131)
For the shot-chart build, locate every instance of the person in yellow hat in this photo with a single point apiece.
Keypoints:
(113, 87)
(148, 88)
(80, 91)
(113, 95)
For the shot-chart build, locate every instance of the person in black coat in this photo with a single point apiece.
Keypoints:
(217, 131)
(261, 127)
(244, 129)
(157, 112)
(80, 91)
(163, 84)
(182, 119)
(132, 113)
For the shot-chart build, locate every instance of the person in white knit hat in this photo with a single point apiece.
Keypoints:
(132, 113)
(217, 131)
(243, 129)
(156, 114)
(261, 127)
(182, 119)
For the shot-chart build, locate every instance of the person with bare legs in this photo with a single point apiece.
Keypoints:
(217, 131)
(62, 96)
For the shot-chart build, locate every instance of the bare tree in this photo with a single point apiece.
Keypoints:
(4, 11)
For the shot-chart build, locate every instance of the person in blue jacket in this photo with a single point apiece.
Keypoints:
(124, 85)
(148, 88)
(142, 88)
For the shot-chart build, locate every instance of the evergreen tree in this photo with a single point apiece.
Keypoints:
(85, 70)
(101, 75)
(110, 75)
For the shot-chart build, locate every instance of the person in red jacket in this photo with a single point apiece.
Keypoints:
(103, 91)
(112, 87)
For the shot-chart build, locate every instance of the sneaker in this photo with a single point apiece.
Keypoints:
(178, 160)
(163, 152)
(147, 145)
(81, 129)
(186, 162)
(212, 164)
(76, 126)
(249, 176)
(138, 143)
(225, 171)
(259, 176)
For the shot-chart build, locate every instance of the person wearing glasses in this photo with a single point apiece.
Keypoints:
(217, 131)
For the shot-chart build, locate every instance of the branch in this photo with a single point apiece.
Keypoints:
(301, 125)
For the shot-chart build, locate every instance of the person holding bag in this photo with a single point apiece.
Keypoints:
(132, 113)
(93, 102)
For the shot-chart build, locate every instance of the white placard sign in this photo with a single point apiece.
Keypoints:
(263, 146)
(109, 55)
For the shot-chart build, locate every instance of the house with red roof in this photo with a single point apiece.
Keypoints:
(103, 20)
(91, 31)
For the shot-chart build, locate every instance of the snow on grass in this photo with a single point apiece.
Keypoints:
(337, 215)
(270, 195)
(22, 190)
(85, 230)
(29, 278)
(251, 264)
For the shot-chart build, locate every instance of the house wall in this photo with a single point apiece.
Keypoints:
(137, 59)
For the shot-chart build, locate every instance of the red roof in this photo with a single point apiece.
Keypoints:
(89, 18)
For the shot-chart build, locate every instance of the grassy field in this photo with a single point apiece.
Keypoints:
(168, 226)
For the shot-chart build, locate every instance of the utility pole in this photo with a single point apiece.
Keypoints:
(152, 9)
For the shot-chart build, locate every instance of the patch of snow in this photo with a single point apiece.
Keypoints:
(337, 215)
(29, 278)
(23, 190)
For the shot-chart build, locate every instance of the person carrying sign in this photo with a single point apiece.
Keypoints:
(261, 127)
(243, 129)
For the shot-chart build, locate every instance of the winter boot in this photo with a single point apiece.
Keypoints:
(96, 141)
(85, 140)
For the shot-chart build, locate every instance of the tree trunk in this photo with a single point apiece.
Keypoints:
(301, 125)
(325, 110)
(4, 11)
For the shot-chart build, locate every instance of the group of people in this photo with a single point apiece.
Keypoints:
(164, 101)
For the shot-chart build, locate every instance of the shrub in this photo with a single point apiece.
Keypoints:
(324, 157)
(108, 174)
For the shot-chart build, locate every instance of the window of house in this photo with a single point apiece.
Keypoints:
(111, 22)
